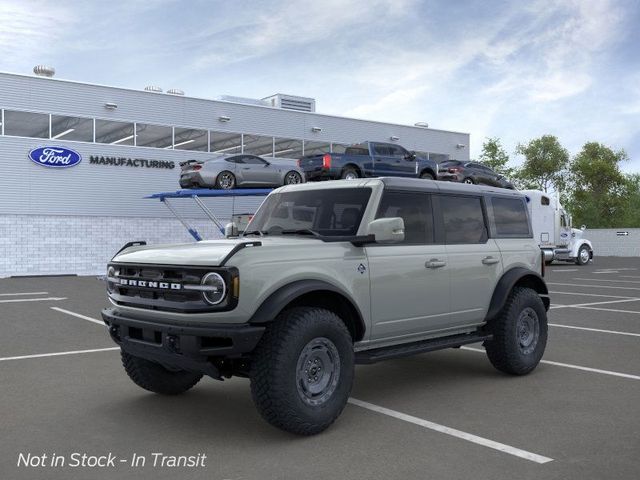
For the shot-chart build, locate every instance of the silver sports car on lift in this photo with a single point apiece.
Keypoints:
(243, 170)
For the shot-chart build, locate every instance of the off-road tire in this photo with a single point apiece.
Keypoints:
(221, 178)
(504, 350)
(155, 378)
(427, 176)
(275, 386)
(579, 260)
(350, 173)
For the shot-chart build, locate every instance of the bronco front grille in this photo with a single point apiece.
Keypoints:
(158, 287)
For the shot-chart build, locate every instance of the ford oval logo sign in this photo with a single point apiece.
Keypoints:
(56, 157)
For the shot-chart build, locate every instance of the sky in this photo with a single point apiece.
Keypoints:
(507, 69)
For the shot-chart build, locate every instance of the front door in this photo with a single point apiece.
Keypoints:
(257, 171)
(409, 280)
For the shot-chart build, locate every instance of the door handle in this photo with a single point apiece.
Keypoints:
(490, 260)
(434, 263)
(246, 168)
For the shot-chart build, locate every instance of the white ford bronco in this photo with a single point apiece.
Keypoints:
(326, 276)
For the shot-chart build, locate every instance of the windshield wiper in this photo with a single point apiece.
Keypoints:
(302, 231)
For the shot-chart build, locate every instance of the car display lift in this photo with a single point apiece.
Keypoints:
(197, 194)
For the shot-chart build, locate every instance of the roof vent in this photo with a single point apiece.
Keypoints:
(44, 71)
(175, 91)
(243, 100)
(292, 102)
(153, 88)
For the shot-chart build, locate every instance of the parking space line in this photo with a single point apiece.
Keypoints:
(562, 271)
(73, 314)
(593, 286)
(603, 280)
(590, 295)
(533, 457)
(629, 276)
(589, 304)
(23, 293)
(610, 310)
(598, 330)
(47, 299)
(569, 365)
(57, 354)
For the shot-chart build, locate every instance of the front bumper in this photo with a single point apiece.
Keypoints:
(178, 346)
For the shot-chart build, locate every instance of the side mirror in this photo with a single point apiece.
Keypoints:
(230, 230)
(410, 156)
(387, 230)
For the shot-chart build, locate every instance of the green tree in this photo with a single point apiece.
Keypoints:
(600, 192)
(545, 164)
(495, 157)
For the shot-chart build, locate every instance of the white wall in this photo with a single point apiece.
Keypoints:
(607, 243)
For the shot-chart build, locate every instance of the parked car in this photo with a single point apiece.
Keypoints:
(368, 159)
(473, 173)
(231, 171)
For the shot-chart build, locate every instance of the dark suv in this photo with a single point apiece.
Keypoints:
(472, 172)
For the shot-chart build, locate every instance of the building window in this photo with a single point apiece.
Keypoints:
(287, 148)
(190, 139)
(258, 145)
(225, 143)
(71, 128)
(115, 133)
(157, 136)
(26, 124)
(316, 148)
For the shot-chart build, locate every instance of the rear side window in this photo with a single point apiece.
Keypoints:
(510, 216)
(356, 151)
(463, 219)
(415, 210)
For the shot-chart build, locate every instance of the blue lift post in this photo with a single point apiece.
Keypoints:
(197, 194)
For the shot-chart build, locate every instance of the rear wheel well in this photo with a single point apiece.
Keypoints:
(534, 283)
(355, 167)
(336, 303)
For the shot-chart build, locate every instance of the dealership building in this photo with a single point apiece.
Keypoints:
(128, 144)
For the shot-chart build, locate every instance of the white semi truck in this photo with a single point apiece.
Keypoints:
(553, 231)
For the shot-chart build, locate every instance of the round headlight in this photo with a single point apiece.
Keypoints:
(111, 273)
(216, 290)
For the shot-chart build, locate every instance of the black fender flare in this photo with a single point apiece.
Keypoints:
(286, 294)
(509, 280)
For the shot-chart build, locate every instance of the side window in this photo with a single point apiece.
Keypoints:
(544, 200)
(381, 150)
(463, 219)
(510, 215)
(251, 160)
(415, 210)
(234, 160)
(397, 151)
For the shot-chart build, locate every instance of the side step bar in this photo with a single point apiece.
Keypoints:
(398, 351)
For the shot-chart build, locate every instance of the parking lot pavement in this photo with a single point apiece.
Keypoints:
(446, 414)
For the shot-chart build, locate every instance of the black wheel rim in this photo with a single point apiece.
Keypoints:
(528, 330)
(318, 371)
(226, 181)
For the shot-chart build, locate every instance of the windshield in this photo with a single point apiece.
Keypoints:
(327, 212)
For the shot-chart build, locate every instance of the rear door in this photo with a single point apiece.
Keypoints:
(474, 261)
(409, 280)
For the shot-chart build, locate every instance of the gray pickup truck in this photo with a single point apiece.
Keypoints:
(368, 159)
(328, 275)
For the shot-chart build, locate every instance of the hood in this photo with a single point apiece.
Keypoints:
(205, 253)
(201, 253)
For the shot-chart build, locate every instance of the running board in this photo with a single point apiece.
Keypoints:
(399, 351)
